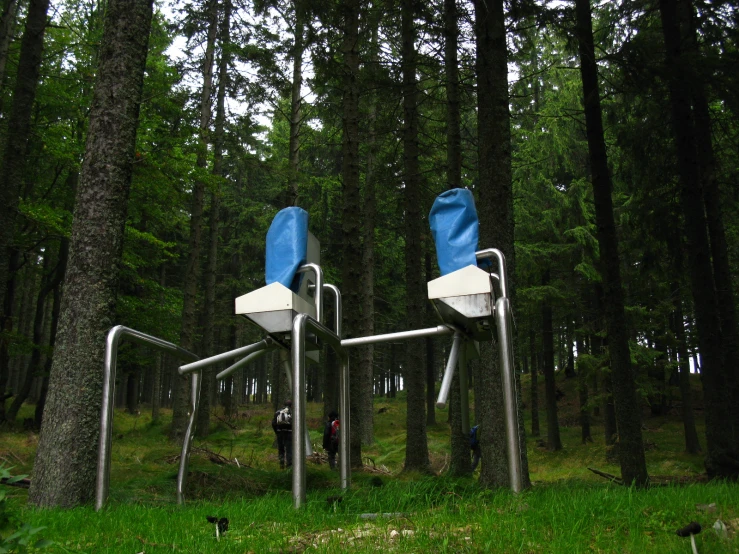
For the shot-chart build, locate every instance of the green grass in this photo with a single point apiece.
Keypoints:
(569, 509)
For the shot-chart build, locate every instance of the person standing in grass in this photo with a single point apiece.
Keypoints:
(282, 424)
(331, 437)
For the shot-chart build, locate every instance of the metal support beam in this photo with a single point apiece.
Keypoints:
(446, 383)
(301, 324)
(112, 340)
(510, 401)
(230, 355)
(402, 335)
(245, 361)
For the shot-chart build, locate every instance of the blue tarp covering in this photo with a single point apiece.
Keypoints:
(454, 226)
(287, 246)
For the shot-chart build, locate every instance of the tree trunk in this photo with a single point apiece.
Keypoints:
(49, 284)
(628, 415)
(416, 449)
(534, 385)
(296, 101)
(582, 387)
(430, 358)
(692, 443)
(188, 329)
(203, 423)
(66, 459)
(496, 223)
(722, 455)
(369, 213)
(550, 387)
(7, 23)
(19, 131)
(351, 272)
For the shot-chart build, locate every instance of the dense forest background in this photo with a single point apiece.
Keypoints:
(362, 113)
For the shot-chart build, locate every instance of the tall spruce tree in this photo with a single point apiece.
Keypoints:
(64, 470)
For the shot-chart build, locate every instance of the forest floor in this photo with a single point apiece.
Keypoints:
(234, 474)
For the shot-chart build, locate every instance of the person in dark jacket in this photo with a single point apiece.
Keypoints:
(331, 438)
(282, 424)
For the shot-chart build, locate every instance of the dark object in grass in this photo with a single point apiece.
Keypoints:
(334, 499)
(376, 482)
(221, 523)
(692, 528)
(382, 410)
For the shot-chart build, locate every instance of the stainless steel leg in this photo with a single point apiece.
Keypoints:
(446, 382)
(505, 349)
(344, 429)
(189, 435)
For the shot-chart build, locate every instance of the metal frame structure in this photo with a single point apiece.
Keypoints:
(106, 414)
(304, 326)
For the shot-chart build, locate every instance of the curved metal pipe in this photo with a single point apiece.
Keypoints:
(333, 289)
(301, 324)
(494, 253)
(318, 293)
(112, 341)
(245, 361)
(230, 355)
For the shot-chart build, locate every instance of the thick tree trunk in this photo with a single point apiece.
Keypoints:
(188, 329)
(351, 273)
(430, 358)
(369, 213)
(203, 423)
(64, 471)
(495, 208)
(628, 413)
(416, 448)
(722, 454)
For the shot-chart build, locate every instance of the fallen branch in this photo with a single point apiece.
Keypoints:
(22, 483)
(612, 478)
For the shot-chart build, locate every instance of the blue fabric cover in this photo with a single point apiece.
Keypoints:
(287, 247)
(454, 226)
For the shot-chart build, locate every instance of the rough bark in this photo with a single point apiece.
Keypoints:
(628, 415)
(65, 466)
(188, 328)
(495, 208)
(416, 449)
(722, 457)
